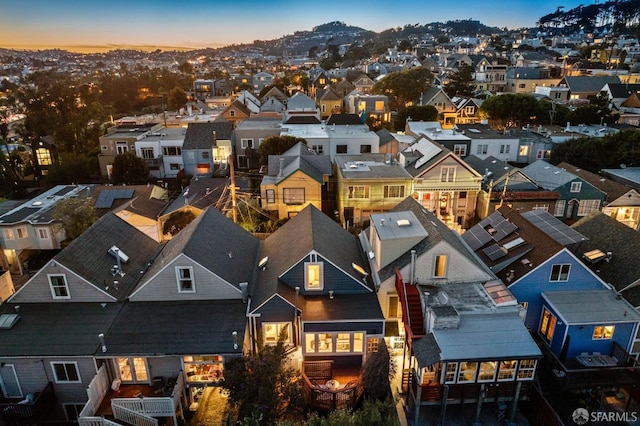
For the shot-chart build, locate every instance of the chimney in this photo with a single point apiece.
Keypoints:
(281, 170)
(245, 293)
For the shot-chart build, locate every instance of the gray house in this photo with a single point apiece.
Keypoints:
(207, 146)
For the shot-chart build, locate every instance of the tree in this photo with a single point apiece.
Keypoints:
(461, 82)
(73, 168)
(416, 113)
(372, 413)
(403, 87)
(76, 215)
(262, 385)
(177, 98)
(276, 145)
(377, 373)
(511, 110)
(177, 221)
(129, 169)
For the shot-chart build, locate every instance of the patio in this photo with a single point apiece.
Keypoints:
(329, 388)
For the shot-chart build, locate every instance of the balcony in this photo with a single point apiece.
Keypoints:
(153, 163)
(27, 411)
(328, 389)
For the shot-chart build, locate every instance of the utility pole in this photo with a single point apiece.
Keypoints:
(233, 189)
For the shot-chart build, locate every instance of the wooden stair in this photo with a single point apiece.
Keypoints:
(414, 310)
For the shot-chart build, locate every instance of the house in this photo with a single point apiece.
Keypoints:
(463, 338)
(319, 294)
(329, 101)
(363, 83)
(30, 226)
(203, 89)
(261, 80)
(437, 98)
(586, 87)
(206, 146)
(442, 182)
(45, 155)
(486, 142)
(120, 139)
(577, 197)
(248, 135)
(629, 176)
(528, 79)
(366, 184)
(614, 190)
(347, 134)
(295, 179)
(273, 101)
(467, 110)
(236, 112)
(491, 74)
(625, 209)
(371, 108)
(161, 150)
(393, 143)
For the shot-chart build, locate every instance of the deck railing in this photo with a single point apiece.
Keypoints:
(328, 399)
(20, 412)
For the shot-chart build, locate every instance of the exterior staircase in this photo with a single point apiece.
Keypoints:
(414, 310)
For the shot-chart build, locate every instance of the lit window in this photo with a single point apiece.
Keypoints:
(43, 156)
(184, 276)
(22, 232)
(440, 268)
(310, 342)
(8, 234)
(451, 372)
(524, 150)
(576, 186)
(507, 370)
(372, 344)
(273, 331)
(527, 369)
(560, 272)
(394, 191)
(547, 325)
(59, 287)
(587, 206)
(358, 342)
(603, 332)
(325, 342)
(467, 372)
(487, 371)
(65, 372)
(379, 105)
(343, 342)
(544, 207)
(313, 276)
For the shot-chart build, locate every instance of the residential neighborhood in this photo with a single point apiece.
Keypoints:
(440, 219)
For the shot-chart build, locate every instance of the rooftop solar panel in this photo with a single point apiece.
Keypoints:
(65, 190)
(107, 196)
(553, 227)
(476, 237)
(494, 252)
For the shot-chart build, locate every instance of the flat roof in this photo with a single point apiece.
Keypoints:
(591, 306)
(394, 225)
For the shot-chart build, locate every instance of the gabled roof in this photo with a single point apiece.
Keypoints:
(588, 84)
(216, 243)
(622, 90)
(298, 157)
(300, 101)
(491, 167)
(547, 175)
(88, 255)
(275, 93)
(237, 105)
(629, 198)
(430, 94)
(612, 188)
(385, 136)
(329, 95)
(622, 269)
(201, 135)
(145, 200)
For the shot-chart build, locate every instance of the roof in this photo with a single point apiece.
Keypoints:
(554, 227)
(629, 198)
(591, 306)
(487, 337)
(236, 104)
(56, 329)
(343, 307)
(622, 90)
(369, 166)
(426, 350)
(40, 208)
(216, 243)
(622, 242)
(302, 119)
(385, 136)
(547, 175)
(201, 135)
(496, 167)
(612, 188)
(629, 175)
(88, 255)
(344, 119)
(298, 157)
(588, 84)
(146, 200)
(143, 328)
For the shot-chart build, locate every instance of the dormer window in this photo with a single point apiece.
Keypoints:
(313, 276)
(184, 276)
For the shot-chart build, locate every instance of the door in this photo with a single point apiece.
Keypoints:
(133, 370)
(9, 382)
(393, 307)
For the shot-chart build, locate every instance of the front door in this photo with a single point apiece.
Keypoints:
(132, 369)
(9, 382)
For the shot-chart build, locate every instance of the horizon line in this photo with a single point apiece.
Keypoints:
(104, 48)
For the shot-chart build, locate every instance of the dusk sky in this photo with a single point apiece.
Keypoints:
(93, 26)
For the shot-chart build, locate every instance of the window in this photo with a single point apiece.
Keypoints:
(360, 191)
(507, 370)
(522, 85)
(43, 234)
(146, 153)
(587, 206)
(358, 339)
(440, 268)
(469, 110)
(460, 150)
(527, 369)
(206, 154)
(246, 143)
(172, 151)
(22, 232)
(576, 186)
(318, 149)
(462, 199)
(450, 372)
(8, 234)
(483, 148)
(547, 325)
(487, 371)
(341, 149)
(43, 156)
(365, 149)
(232, 113)
(343, 342)
(560, 272)
(603, 332)
(544, 207)
(504, 149)
(323, 108)
(447, 174)
(243, 161)
(313, 276)
(524, 151)
(560, 206)
(65, 372)
(325, 342)
(271, 196)
(174, 166)
(59, 287)
(184, 275)
(293, 195)
(467, 372)
(273, 331)
(121, 147)
(372, 344)
(394, 191)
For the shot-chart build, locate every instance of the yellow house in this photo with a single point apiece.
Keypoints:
(366, 184)
(295, 179)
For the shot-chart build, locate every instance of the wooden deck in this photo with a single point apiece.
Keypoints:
(330, 387)
(128, 391)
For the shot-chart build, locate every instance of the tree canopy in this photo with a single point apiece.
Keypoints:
(403, 87)
(76, 215)
(276, 145)
(511, 110)
(461, 82)
(130, 169)
(416, 113)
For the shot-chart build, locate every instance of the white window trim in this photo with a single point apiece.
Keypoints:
(9, 234)
(306, 278)
(22, 230)
(179, 280)
(561, 265)
(495, 372)
(528, 369)
(55, 376)
(277, 325)
(577, 186)
(42, 231)
(66, 285)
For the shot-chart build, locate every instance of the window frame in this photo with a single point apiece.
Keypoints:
(342, 149)
(180, 280)
(279, 326)
(509, 367)
(448, 173)
(270, 196)
(145, 151)
(9, 234)
(556, 275)
(351, 192)
(320, 285)
(460, 149)
(483, 148)
(43, 233)
(602, 333)
(53, 287)
(529, 370)
(22, 232)
(560, 207)
(575, 187)
(437, 267)
(460, 375)
(65, 364)
(486, 372)
(291, 196)
(388, 189)
(246, 143)
(548, 322)
(587, 206)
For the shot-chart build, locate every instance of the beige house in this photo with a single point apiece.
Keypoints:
(437, 98)
(625, 209)
(294, 180)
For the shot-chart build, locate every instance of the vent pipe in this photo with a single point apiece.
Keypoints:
(103, 343)
(412, 273)
(245, 293)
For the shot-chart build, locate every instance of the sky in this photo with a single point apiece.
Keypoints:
(90, 25)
